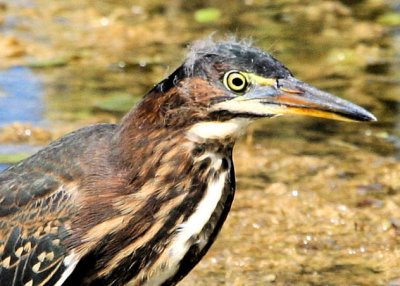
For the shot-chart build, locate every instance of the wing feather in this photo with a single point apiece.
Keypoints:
(34, 223)
(38, 201)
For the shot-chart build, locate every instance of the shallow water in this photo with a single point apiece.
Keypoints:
(21, 96)
(317, 201)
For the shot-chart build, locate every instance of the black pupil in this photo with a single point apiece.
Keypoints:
(237, 81)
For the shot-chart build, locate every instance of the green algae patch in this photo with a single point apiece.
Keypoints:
(207, 15)
(12, 158)
(117, 103)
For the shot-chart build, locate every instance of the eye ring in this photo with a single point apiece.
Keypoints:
(236, 81)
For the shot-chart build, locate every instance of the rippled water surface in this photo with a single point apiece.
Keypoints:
(317, 201)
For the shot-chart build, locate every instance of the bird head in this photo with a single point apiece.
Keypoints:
(230, 83)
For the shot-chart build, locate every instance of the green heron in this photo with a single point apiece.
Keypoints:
(141, 202)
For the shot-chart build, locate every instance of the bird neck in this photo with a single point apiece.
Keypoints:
(177, 186)
(166, 115)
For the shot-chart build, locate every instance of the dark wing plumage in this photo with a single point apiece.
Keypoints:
(34, 223)
(36, 207)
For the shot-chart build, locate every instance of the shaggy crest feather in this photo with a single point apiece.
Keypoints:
(209, 46)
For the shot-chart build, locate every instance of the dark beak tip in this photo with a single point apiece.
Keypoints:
(373, 118)
(358, 113)
(367, 117)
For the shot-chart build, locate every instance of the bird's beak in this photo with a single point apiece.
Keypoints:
(270, 97)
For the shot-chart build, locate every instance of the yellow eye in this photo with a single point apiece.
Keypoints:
(236, 81)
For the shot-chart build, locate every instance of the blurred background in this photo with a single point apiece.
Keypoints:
(318, 202)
